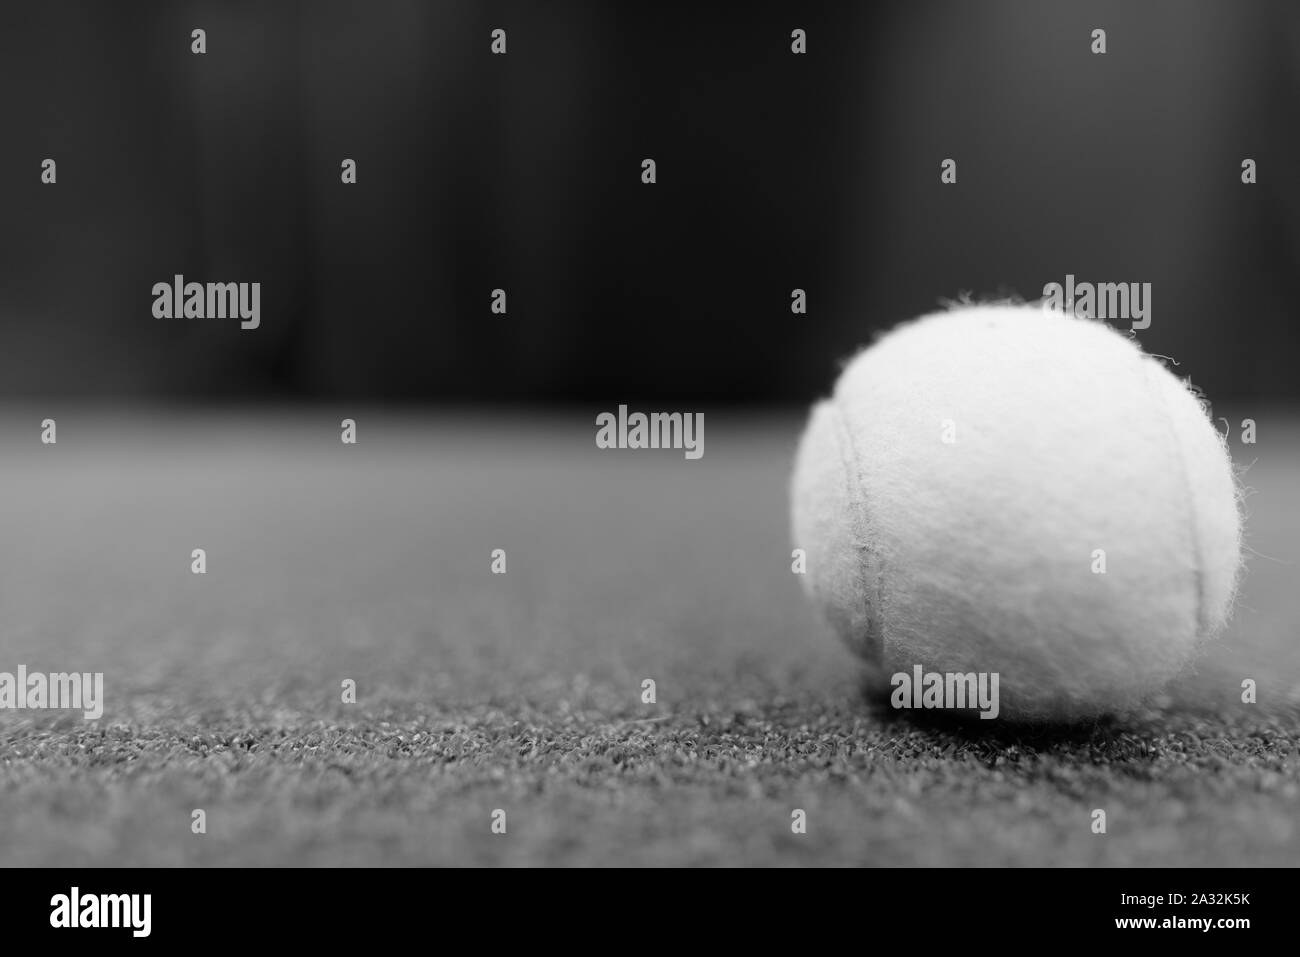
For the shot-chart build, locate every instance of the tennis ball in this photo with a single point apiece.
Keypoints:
(1002, 489)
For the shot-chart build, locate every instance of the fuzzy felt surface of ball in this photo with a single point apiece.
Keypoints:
(1002, 489)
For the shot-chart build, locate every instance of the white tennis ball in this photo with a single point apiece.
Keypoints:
(973, 472)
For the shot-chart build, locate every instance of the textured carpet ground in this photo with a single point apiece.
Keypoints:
(522, 692)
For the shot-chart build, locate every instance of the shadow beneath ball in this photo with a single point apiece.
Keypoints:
(966, 725)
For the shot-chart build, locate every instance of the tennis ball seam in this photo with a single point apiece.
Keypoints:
(1151, 373)
(867, 556)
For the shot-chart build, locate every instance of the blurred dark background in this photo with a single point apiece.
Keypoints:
(522, 171)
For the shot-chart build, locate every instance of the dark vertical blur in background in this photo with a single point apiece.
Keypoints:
(522, 172)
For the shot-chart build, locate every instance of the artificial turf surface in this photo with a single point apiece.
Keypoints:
(523, 692)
